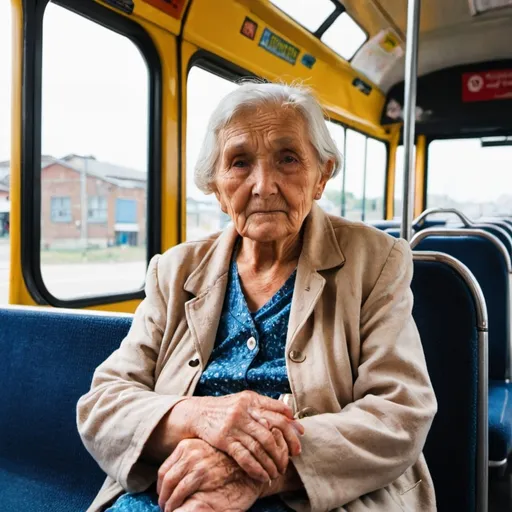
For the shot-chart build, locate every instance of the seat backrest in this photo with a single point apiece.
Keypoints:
(489, 261)
(450, 313)
(501, 233)
(48, 358)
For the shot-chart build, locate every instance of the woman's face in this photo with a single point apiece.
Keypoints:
(268, 173)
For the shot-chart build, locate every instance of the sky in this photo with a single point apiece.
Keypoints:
(95, 95)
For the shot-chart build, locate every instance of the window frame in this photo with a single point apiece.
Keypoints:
(31, 131)
(339, 9)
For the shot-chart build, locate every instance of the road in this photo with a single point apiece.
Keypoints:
(4, 271)
(67, 281)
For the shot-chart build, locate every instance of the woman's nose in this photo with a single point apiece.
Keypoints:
(264, 179)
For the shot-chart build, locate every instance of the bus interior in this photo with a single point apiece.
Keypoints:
(103, 108)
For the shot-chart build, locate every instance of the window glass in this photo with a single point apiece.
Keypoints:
(399, 181)
(204, 91)
(354, 175)
(332, 201)
(470, 176)
(97, 211)
(309, 14)
(344, 36)
(94, 158)
(5, 146)
(375, 183)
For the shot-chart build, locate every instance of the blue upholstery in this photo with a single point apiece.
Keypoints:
(48, 359)
(445, 313)
(500, 420)
(498, 233)
(395, 232)
(489, 267)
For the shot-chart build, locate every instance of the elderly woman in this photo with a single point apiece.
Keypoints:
(275, 365)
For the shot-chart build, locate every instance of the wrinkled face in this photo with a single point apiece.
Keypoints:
(268, 173)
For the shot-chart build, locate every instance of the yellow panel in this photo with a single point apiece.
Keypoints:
(18, 293)
(390, 183)
(419, 187)
(215, 26)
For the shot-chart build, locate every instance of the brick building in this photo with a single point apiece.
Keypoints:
(115, 201)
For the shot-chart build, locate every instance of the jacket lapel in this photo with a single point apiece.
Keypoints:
(320, 251)
(208, 284)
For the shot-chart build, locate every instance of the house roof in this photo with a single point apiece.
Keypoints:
(114, 174)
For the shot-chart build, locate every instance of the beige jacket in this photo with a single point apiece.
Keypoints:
(355, 365)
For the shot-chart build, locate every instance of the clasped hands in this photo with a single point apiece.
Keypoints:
(235, 451)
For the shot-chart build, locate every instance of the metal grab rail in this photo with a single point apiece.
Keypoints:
(463, 217)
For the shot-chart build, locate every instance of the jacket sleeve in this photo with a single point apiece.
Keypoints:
(117, 416)
(378, 436)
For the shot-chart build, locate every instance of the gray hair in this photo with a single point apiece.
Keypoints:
(253, 94)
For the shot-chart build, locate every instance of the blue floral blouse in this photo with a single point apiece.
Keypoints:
(249, 354)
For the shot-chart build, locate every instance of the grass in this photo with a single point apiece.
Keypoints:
(123, 254)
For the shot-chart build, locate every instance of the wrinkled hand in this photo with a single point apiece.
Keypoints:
(240, 425)
(198, 477)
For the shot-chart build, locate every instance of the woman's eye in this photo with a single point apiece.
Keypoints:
(288, 159)
(239, 163)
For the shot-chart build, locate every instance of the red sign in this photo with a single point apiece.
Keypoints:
(171, 7)
(249, 28)
(487, 85)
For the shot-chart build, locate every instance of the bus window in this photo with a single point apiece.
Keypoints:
(5, 146)
(94, 159)
(357, 193)
(399, 181)
(471, 175)
(375, 180)
(204, 91)
(332, 199)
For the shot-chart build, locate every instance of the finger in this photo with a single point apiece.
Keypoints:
(264, 402)
(255, 415)
(260, 454)
(247, 462)
(289, 430)
(169, 482)
(265, 438)
(171, 461)
(188, 486)
(283, 447)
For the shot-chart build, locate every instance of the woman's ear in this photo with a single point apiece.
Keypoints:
(325, 173)
(215, 190)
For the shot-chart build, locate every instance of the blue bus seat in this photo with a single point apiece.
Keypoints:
(48, 358)
(489, 261)
(449, 310)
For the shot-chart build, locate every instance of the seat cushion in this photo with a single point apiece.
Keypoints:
(500, 420)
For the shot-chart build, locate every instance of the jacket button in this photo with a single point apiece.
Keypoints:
(194, 363)
(306, 413)
(297, 356)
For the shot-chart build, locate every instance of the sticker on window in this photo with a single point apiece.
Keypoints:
(173, 8)
(279, 47)
(249, 29)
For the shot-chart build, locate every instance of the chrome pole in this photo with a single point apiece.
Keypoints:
(411, 72)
